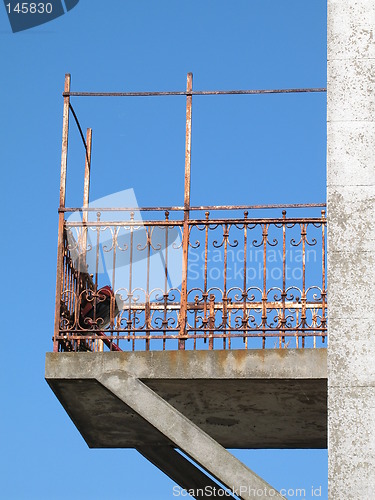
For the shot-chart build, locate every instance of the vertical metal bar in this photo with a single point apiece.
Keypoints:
(296, 335)
(113, 297)
(64, 152)
(211, 323)
(147, 305)
(224, 313)
(205, 294)
(130, 294)
(77, 274)
(189, 88)
(70, 284)
(314, 323)
(303, 298)
(82, 267)
(165, 297)
(324, 293)
(133, 320)
(60, 240)
(86, 193)
(185, 236)
(196, 304)
(65, 285)
(283, 293)
(98, 215)
(229, 323)
(264, 295)
(65, 271)
(244, 292)
(93, 293)
(72, 289)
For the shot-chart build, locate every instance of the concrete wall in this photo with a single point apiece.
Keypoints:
(351, 248)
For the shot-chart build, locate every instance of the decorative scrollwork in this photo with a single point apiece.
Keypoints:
(237, 292)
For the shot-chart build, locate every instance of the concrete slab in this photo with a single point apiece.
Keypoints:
(242, 399)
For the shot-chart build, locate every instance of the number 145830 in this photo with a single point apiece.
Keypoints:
(30, 8)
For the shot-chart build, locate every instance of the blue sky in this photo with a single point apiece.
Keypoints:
(246, 149)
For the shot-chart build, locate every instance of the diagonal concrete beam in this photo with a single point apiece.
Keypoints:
(183, 472)
(198, 445)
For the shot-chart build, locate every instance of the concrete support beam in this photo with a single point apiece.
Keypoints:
(198, 445)
(183, 472)
(200, 402)
(351, 248)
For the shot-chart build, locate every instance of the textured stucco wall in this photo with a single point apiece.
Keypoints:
(351, 248)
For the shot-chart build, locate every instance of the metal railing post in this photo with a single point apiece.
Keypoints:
(185, 235)
(86, 192)
(324, 291)
(60, 243)
(82, 266)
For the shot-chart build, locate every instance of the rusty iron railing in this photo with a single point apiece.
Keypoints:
(250, 282)
(195, 278)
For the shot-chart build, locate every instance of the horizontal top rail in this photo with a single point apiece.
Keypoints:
(193, 92)
(198, 222)
(196, 208)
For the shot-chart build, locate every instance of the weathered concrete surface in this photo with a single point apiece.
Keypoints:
(217, 364)
(103, 420)
(188, 437)
(242, 399)
(351, 248)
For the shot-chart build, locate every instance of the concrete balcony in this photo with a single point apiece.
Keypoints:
(184, 331)
(199, 402)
